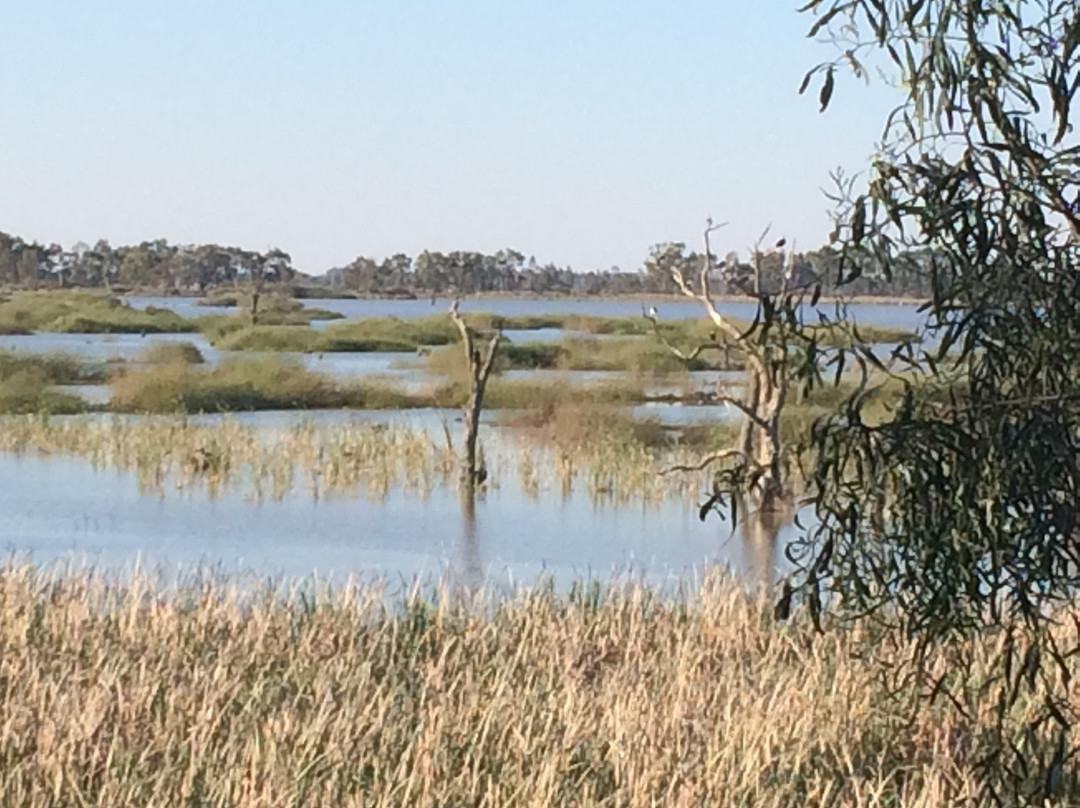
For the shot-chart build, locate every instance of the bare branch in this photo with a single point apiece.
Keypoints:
(744, 408)
(466, 333)
(708, 460)
(489, 359)
(685, 357)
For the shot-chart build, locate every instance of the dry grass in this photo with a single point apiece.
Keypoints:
(126, 694)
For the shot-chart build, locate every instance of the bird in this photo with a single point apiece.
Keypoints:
(781, 243)
(653, 313)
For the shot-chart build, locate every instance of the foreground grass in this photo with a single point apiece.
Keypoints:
(84, 312)
(124, 693)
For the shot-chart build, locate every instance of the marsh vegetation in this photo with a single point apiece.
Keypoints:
(131, 692)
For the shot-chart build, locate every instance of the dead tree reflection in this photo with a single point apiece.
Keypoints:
(760, 531)
(470, 573)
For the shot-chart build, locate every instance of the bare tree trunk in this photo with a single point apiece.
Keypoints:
(479, 369)
(759, 449)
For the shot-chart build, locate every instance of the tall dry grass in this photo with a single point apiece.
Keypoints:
(125, 694)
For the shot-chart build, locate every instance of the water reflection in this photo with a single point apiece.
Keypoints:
(55, 507)
(760, 531)
(471, 568)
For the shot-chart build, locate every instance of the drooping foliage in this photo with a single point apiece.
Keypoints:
(958, 513)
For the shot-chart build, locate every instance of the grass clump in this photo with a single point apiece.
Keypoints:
(392, 333)
(235, 332)
(28, 391)
(302, 695)
(265, 338)
(27, 379)
(55, 368)
(84, 312)
(257, 383)
(162, 353)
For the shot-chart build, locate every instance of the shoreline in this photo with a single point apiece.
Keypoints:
(885, 300)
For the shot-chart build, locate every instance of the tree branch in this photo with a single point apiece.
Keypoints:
(686, 357)
(708, 460)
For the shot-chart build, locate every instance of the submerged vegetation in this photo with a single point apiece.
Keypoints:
(615, 459)
(212, 694)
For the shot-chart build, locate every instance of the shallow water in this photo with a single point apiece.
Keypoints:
(101, 346)
(58, 508)
(903, 315)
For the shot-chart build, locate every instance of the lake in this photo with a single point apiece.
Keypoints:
(64, 508)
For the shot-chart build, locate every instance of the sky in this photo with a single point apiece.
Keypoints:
(579, 132)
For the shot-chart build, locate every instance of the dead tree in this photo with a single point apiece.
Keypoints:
(479, 364)
(756, 464)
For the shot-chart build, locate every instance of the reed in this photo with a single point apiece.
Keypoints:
(125, 692)
(609, 465)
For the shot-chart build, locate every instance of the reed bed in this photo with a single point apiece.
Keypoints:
(356, 459)
(124, 692)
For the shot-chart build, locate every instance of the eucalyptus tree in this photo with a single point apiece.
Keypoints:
(779, 353)
(956, 516)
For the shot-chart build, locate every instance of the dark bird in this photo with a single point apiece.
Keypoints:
(781, 243)
(712, 336)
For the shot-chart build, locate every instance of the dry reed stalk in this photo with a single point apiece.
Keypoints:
(123, 693)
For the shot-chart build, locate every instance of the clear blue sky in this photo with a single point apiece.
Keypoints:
(579, 132)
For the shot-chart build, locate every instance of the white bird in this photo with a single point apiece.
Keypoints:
(652, 312)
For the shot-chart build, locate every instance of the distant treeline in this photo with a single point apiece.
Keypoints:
(196, 269)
